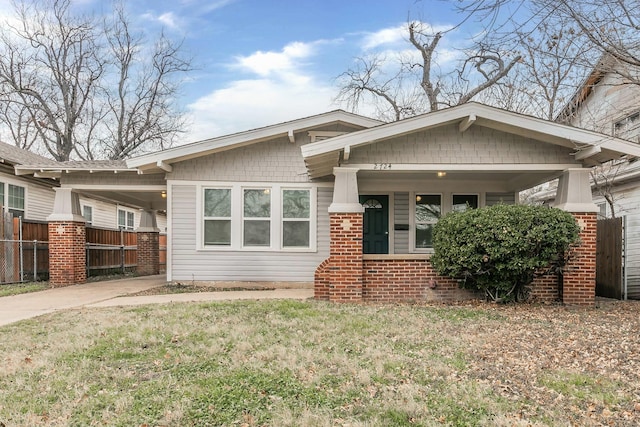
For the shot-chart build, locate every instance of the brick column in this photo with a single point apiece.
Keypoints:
(67, 254)
(67, 240)
(345, 257)
(148, 251)
(579, 278)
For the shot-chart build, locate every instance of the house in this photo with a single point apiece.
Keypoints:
(608, 102)
(348, 202)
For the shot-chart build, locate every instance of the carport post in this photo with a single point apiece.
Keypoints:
(148, 251)
(67, 240)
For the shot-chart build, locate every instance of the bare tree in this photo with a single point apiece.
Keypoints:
(77, 87)
(414, 86)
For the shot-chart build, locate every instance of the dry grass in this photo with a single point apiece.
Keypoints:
(290, 363)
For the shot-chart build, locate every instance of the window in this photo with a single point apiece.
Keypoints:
(257, 217)
(625, 124)
(428, 210)
(125, 219)
(462, 202)
(296, 212)
(217, 217)
(12, 197)
(87, 213)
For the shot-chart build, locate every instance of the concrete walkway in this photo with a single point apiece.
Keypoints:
(114, 293)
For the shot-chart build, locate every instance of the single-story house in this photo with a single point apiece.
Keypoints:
(349, 203)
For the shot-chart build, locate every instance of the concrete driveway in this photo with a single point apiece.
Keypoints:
(114, 293)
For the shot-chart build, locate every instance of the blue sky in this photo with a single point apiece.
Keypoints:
(263, 62)
(260, 62)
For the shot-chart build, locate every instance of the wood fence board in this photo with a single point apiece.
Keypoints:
(609, 258)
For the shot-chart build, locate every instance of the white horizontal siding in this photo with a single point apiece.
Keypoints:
(187, 263)
(401, 216)
(39, 203)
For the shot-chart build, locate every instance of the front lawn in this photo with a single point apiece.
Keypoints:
(291, 363)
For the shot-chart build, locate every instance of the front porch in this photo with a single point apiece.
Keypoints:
(358, 271)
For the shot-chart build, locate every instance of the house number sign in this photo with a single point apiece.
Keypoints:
(381, 166)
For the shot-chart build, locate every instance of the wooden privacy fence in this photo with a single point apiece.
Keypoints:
(110, 251)
(24, 250)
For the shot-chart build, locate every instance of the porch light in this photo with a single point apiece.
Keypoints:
(442, 174)
(418, 198)
(163, 194)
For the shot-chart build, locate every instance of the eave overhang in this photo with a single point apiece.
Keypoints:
(164, 159)
(589, 147)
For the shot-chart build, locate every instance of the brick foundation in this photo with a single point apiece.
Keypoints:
(321, 281)
(579, 279)
(345, 257)
(148, 253)
(67, 255)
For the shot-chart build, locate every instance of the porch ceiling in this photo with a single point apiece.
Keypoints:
(507, 180)
(142, 198)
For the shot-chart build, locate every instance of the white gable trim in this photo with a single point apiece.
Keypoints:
(213, 145)
(507, 121)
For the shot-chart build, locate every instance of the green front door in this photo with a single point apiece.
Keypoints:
(376, 224)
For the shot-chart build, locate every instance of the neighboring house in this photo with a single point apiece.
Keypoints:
(32, 196)
(302, 200)
(608, 102)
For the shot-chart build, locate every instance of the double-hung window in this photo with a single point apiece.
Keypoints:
(87, 213)
(125, 219)
(427, 212)
(296, 218)
(12, 197)
(217, 217)
(256, 219)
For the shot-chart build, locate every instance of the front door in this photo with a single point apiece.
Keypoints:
(376, 224)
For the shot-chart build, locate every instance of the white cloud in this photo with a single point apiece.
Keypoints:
(169, 19)
(396, 35)
(248, 104)
(267, 63)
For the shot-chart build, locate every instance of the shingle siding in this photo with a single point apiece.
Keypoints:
(448, 145)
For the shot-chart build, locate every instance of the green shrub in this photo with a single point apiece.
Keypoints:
(498, 249)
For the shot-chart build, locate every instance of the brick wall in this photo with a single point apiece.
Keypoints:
(321, 281)
(545, 288)
(579, 280)
(408, 280)
(67, 256)
(148, 253)
(345, 257)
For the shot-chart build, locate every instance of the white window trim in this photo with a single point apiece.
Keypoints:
(412, 218)
(86, 205)
(203, 218)
(237, 216)
(269, 218)
(6, 180)
(128, 210)
(313, 214)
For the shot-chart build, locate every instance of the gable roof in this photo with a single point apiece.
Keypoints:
(322, 156)
(163, 159)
